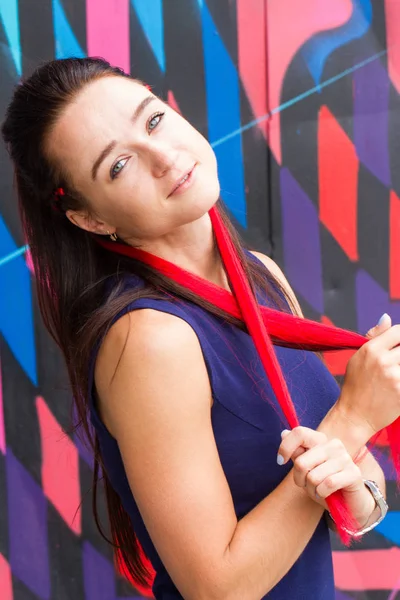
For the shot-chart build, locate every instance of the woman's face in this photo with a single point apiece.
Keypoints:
(126, 152)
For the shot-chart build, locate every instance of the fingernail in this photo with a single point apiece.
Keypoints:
(284, 433)
(383, 319)
(316, 495)
(280, 460)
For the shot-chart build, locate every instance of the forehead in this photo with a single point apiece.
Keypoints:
(96, 116)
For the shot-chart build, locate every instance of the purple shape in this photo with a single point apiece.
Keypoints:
(371, 119)
(99, 575)
(372, 302)
(27, 518)
(301, 243)
(84, 451)
(340, 596)
(386, 463)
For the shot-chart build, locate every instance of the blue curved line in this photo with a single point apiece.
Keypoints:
(317, 50)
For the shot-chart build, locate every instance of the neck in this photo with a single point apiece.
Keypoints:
(191, 247)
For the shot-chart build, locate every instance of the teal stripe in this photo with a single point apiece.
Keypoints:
(66, 42)
(150, 15)
(10, 18)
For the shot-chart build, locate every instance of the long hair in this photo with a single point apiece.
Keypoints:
(72, 269)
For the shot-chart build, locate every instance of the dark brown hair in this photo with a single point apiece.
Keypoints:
(72, 269)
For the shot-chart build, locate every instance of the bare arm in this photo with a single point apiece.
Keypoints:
(156, 402)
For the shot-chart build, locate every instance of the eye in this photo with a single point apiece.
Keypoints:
(154, 121)
(116, 169)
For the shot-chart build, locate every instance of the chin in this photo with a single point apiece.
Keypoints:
(200, 206)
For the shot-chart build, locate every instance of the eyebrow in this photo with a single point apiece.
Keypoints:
(110, 147)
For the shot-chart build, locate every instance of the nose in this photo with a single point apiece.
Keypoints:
(163, 158)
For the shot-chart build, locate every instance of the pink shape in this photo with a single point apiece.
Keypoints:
(172, 101)
(392, 14)
(290, 23)
(5, 580)
(252, 55)
(367, 569)
(2, 428)
(60, 467)
(29, 261)
(107, 26)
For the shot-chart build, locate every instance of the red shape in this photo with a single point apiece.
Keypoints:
(5, 580)
(336, 361)
(290, 23)
(172, 102)
(392, 14)
(381, 438)
(394, 247)
(252, 55)
(338, 182)
(60, 467)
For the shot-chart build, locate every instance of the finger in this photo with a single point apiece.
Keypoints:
(393, 356)
(315, 477)
(334, 449)
(299, 436)
(387, 340)
(384, 323)
(298, 452)
(338, 481)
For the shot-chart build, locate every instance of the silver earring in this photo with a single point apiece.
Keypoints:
(113, 236)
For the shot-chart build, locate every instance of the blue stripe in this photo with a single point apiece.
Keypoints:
(223, 108)
(150, 15)
(66, 43)
(10, 18)
(16, 314)
(9, 257)
(390, 527)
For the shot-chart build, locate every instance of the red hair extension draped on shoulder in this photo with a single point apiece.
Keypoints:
(266, 326)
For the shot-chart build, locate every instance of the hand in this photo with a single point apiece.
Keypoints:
(323, 466)
(370, 394)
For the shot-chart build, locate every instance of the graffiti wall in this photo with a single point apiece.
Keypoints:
(300, 101)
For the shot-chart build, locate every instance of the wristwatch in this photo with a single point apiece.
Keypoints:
(380, 503)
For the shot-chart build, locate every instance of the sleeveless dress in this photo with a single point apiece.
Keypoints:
(247, 423)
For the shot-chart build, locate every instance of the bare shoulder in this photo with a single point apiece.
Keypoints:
(278, 273)
(142, 344)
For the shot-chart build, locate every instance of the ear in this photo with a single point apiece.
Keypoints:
(89, 222)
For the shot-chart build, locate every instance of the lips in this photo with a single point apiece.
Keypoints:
(181, 180)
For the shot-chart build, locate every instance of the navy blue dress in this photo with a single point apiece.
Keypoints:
(247, 423)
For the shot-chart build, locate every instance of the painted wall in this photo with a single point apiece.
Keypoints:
(300, 101)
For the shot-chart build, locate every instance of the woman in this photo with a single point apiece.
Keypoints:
(186, 427)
